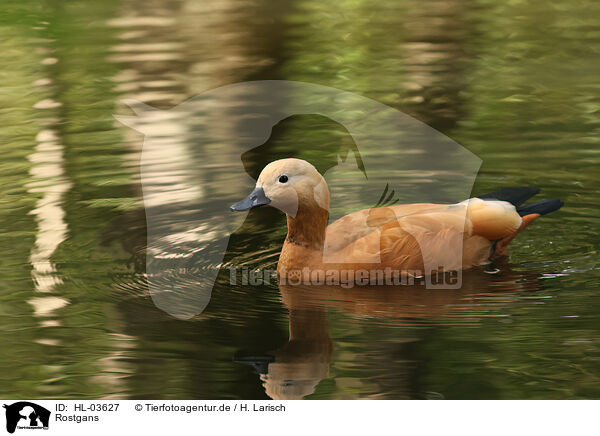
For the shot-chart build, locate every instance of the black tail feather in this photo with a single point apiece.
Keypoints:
(518, 196)
(515, 196)
(541, 207)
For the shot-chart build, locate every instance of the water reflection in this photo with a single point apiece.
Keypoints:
(299, 366)
(48, 178)
(294, 370)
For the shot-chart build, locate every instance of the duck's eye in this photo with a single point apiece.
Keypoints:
(283, 178)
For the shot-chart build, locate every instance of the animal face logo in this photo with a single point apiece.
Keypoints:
(192, 170)
(26, 415)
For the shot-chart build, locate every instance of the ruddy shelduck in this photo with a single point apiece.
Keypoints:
(421, 237)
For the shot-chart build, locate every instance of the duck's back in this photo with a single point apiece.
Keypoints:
(415, 236)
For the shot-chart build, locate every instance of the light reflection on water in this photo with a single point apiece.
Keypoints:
(514, 83)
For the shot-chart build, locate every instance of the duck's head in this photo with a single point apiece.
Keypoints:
(288, 185)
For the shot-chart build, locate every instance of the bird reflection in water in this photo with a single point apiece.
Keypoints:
(294, 370)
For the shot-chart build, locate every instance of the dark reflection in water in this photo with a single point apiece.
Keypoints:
(516, 83)
(294, 370)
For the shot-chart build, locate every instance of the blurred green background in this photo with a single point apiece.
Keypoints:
(515, 82)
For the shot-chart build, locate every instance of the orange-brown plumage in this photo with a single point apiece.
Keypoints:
(419, 237)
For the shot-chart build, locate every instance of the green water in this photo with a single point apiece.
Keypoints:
(514, 82)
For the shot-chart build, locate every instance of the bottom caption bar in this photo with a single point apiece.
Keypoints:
(67, 417)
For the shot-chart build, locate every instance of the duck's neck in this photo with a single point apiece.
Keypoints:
(307, 228)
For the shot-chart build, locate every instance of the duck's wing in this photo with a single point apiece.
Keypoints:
(449, 238)
(491, 219)
(352, 227)
(424, 236)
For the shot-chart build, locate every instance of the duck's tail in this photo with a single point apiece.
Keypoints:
(529, 212)
(518, 196)
(540, 208)
(515, 196)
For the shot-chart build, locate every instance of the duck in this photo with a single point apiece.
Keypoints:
(396, 241)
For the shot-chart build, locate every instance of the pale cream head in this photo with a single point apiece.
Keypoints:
(291, 184)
